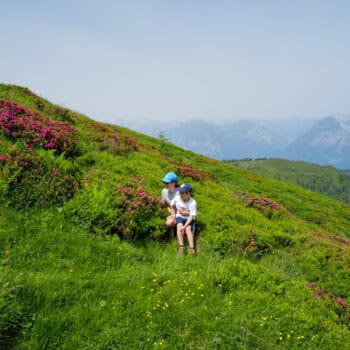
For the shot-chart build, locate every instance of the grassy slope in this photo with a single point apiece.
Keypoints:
(66, 288)
(322, 179)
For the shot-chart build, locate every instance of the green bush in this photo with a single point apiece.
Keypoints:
(51, 181)
(128, 210)
(36, 178)
(95, 208)
(248, 242)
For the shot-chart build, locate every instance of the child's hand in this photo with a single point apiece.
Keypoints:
(184, 212)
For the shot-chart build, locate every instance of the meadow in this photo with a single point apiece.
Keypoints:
(86, 262)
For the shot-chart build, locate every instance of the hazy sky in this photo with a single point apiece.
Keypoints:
(181, 59)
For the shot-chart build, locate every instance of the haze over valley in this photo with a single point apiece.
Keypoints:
(323, 141)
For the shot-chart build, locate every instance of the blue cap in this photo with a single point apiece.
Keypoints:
(170, 177)
(185, 187)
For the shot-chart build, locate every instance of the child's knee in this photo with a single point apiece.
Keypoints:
(180, 232)
(189, 230)
(170, 221)
(169, 224)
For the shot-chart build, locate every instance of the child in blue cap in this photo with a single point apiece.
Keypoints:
(169, 192)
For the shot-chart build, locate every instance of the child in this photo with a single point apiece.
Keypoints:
(184, 210)
(169, 192)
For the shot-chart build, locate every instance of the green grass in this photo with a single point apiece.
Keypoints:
(262, 279)
(66, 288)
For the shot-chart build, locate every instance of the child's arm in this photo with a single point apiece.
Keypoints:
(187, 223)
(164, 203)
(192, 215)
(172, 210)
(184, 212)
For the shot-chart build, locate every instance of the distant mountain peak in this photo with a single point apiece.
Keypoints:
(341, 117)
(327, 142)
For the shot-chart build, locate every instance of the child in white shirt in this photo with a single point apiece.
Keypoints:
(184, 211)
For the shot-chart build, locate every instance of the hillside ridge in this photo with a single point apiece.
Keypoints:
(322, 179)
(88, 263)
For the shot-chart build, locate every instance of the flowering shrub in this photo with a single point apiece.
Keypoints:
(128, 209)
(264, 205)
(11, 164)
(142, 215)
(338, 240)
(47, 186)
(248, 245)
(246, 241)
(30, 179)
(331, 301)
(253, 245)
(112, 140)
(62, 113)
(36, 129)
(339, 245)
(194, 173)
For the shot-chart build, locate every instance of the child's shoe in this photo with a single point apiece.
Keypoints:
(181, 251)
(191, 252)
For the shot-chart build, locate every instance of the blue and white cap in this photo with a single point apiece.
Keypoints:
(185, 187)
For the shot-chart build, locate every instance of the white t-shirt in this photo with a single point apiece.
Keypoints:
(168, 196)
(191, 205)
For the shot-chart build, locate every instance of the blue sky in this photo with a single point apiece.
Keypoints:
(176, 60)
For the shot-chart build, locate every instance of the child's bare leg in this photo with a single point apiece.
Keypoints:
(180, 235)
(190, 236)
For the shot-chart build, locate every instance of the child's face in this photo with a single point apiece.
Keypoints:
(185, 196)
(169, 185)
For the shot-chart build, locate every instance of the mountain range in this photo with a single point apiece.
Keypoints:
(325, 141)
